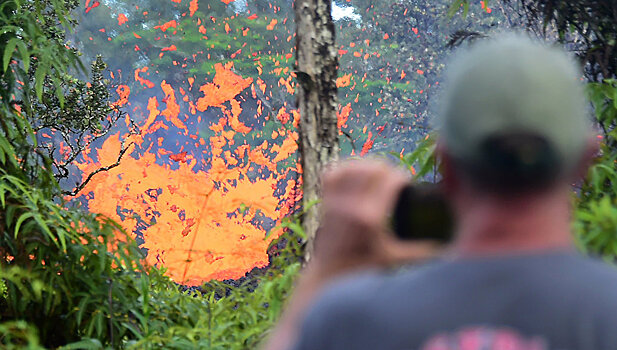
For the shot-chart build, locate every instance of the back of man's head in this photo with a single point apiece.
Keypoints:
(513, 114)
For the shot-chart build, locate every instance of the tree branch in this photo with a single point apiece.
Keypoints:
(81, 186)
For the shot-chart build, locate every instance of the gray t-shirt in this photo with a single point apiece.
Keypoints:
(542, 301)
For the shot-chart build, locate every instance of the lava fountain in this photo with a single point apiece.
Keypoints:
(199, 195)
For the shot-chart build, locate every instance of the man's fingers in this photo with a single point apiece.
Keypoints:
(347, 175)
(364, 189)
(359, 175)
(390, 186)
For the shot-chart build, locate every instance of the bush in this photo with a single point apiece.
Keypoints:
(75, 278)
(596, 202)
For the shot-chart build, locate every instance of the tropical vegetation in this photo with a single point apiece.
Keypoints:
(73, 279)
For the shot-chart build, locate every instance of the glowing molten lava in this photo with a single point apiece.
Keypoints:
(201, 205)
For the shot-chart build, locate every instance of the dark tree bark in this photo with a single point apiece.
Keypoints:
(316, 101)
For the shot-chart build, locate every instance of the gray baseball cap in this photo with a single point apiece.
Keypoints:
(513, 85)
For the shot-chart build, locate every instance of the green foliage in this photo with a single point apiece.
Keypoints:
(19, 335)
(40, 79)
(73, 278)
(62, 268)
(596, 204)
(34, 29)
(220, 317)
(402, 47)
(593, 23)
(3, 290)
(86, 115)
(421, 162)
(57, 266)
(596, 227)
(456, 6)
(85, 104)
(76, 281)
(462, 6)
(603, 97)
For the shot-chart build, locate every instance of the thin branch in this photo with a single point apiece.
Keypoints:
(353, 144)
(105, 168)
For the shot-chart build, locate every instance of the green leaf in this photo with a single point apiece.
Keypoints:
(297, 228)
(25, 55)
(9, 29)
(2, 197)
(456, 5)
(59, 92)
(133, 329)
(55, 238)
(39, 76)
(81, 307)
(9, 212)
(23, 217)
(85, 344)
(21, 186)
(8, 53)
(98, 319)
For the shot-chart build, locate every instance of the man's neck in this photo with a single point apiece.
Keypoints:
(490, 225)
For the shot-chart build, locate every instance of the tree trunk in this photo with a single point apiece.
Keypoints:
(317, 61)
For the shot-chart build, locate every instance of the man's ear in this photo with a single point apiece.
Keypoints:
(592, 148)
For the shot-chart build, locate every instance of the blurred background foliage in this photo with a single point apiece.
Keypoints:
(73, 280)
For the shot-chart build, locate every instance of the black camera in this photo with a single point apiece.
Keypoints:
(422, 213)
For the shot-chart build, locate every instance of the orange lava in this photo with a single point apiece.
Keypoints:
(368, 144)
(122, 19)
(143, 81)
(167, 25)
(200, 217)
(225, 85)
(193, 6)
(343, 81)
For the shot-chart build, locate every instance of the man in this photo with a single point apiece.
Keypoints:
(513, 137)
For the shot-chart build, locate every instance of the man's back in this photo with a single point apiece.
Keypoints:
(543, 301)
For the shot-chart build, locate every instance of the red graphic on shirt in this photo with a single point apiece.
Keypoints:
(484, 338)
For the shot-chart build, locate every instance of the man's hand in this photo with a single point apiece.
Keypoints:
(358, 199)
